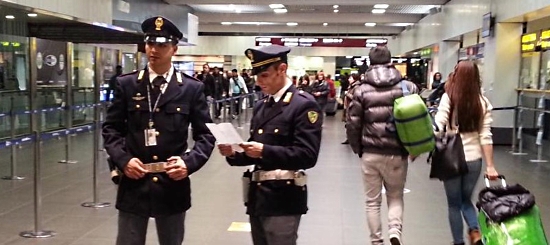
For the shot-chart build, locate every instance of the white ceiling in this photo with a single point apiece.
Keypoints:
(314, 17)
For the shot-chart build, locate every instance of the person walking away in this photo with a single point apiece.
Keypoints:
(384, 159)
(464, 105)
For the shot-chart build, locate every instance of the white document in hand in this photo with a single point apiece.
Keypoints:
(226, 134)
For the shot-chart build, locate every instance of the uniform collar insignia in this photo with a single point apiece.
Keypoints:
(140, 76)
(288, 97)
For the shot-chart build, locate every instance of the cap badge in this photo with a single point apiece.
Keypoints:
(158, 23)
(250, 55)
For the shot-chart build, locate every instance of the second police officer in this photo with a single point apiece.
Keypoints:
(285, 136)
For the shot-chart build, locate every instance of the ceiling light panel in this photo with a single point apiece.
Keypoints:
(280, 11)
(291, 24)
(400, 24)
(276, 6)
(370, 24)
(224, 9)
(378, 11)
(381, 6)
(254, 23)
(32, 15)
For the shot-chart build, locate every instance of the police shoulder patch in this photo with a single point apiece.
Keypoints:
(313, 116)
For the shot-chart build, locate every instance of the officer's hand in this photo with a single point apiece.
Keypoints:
(176, 169)
(253, 149)
(226, 150)
(134, 169)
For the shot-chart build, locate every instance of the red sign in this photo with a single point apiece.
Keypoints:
(321, 42)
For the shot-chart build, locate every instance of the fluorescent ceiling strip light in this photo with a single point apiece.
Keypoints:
(381, 6)
(276, 6)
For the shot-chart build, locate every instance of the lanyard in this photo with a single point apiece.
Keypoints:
(152, 110)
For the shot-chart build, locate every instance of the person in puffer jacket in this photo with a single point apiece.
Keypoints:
(384, 159)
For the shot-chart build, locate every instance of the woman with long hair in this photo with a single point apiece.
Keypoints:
(464, 107)
(305, 84)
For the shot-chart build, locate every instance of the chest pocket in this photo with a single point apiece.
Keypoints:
(177, 117)
(138, 115)
(275, 134)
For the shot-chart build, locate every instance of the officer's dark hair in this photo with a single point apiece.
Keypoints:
(277, 64)
(380, 55)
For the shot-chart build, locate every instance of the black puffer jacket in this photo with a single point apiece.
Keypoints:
(370, 111)
(501, 203)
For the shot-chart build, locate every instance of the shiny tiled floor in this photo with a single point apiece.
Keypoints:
(336, 199)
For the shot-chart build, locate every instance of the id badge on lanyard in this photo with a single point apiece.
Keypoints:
(150, 133)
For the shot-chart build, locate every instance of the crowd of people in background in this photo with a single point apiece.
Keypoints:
(232, 83)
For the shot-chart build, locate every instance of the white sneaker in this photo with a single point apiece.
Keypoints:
(395, 239)
(395, 236)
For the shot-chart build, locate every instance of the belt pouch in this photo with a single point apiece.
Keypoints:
(247, 176)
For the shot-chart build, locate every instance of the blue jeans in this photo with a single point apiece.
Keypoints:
(459, 192)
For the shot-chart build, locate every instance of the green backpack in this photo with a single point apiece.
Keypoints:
(413, 123)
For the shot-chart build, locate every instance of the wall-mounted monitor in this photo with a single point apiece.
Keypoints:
(487, 25)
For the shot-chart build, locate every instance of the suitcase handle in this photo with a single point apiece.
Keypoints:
(501, 177)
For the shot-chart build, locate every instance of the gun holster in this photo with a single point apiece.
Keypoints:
(247, 177)
(116, 174)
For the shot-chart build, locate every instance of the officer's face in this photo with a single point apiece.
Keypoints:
(160, 53)
(273, 79)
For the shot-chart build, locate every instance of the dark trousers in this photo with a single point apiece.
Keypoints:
(275, 230)
(237, 104)
(132, 229)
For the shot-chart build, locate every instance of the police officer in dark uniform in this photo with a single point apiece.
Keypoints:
(285, 136)
(145, 135)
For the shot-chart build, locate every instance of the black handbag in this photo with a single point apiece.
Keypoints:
(448, 159)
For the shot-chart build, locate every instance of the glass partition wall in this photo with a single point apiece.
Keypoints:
(14, 83)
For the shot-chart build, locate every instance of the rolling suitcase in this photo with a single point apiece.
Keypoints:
(508, 216)
(331, 107)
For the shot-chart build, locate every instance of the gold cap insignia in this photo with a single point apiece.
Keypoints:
(158, 23)
(312, 116)
(250, 55)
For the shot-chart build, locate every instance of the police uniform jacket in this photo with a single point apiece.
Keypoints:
(291, 133)
(183, 103)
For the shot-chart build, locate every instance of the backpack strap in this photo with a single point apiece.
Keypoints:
(404, 88)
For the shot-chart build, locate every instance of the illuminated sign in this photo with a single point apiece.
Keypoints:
(545, 40)
(527, 38)
(529, 42)
(321, 42)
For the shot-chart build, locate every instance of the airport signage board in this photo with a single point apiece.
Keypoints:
(321, 42)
